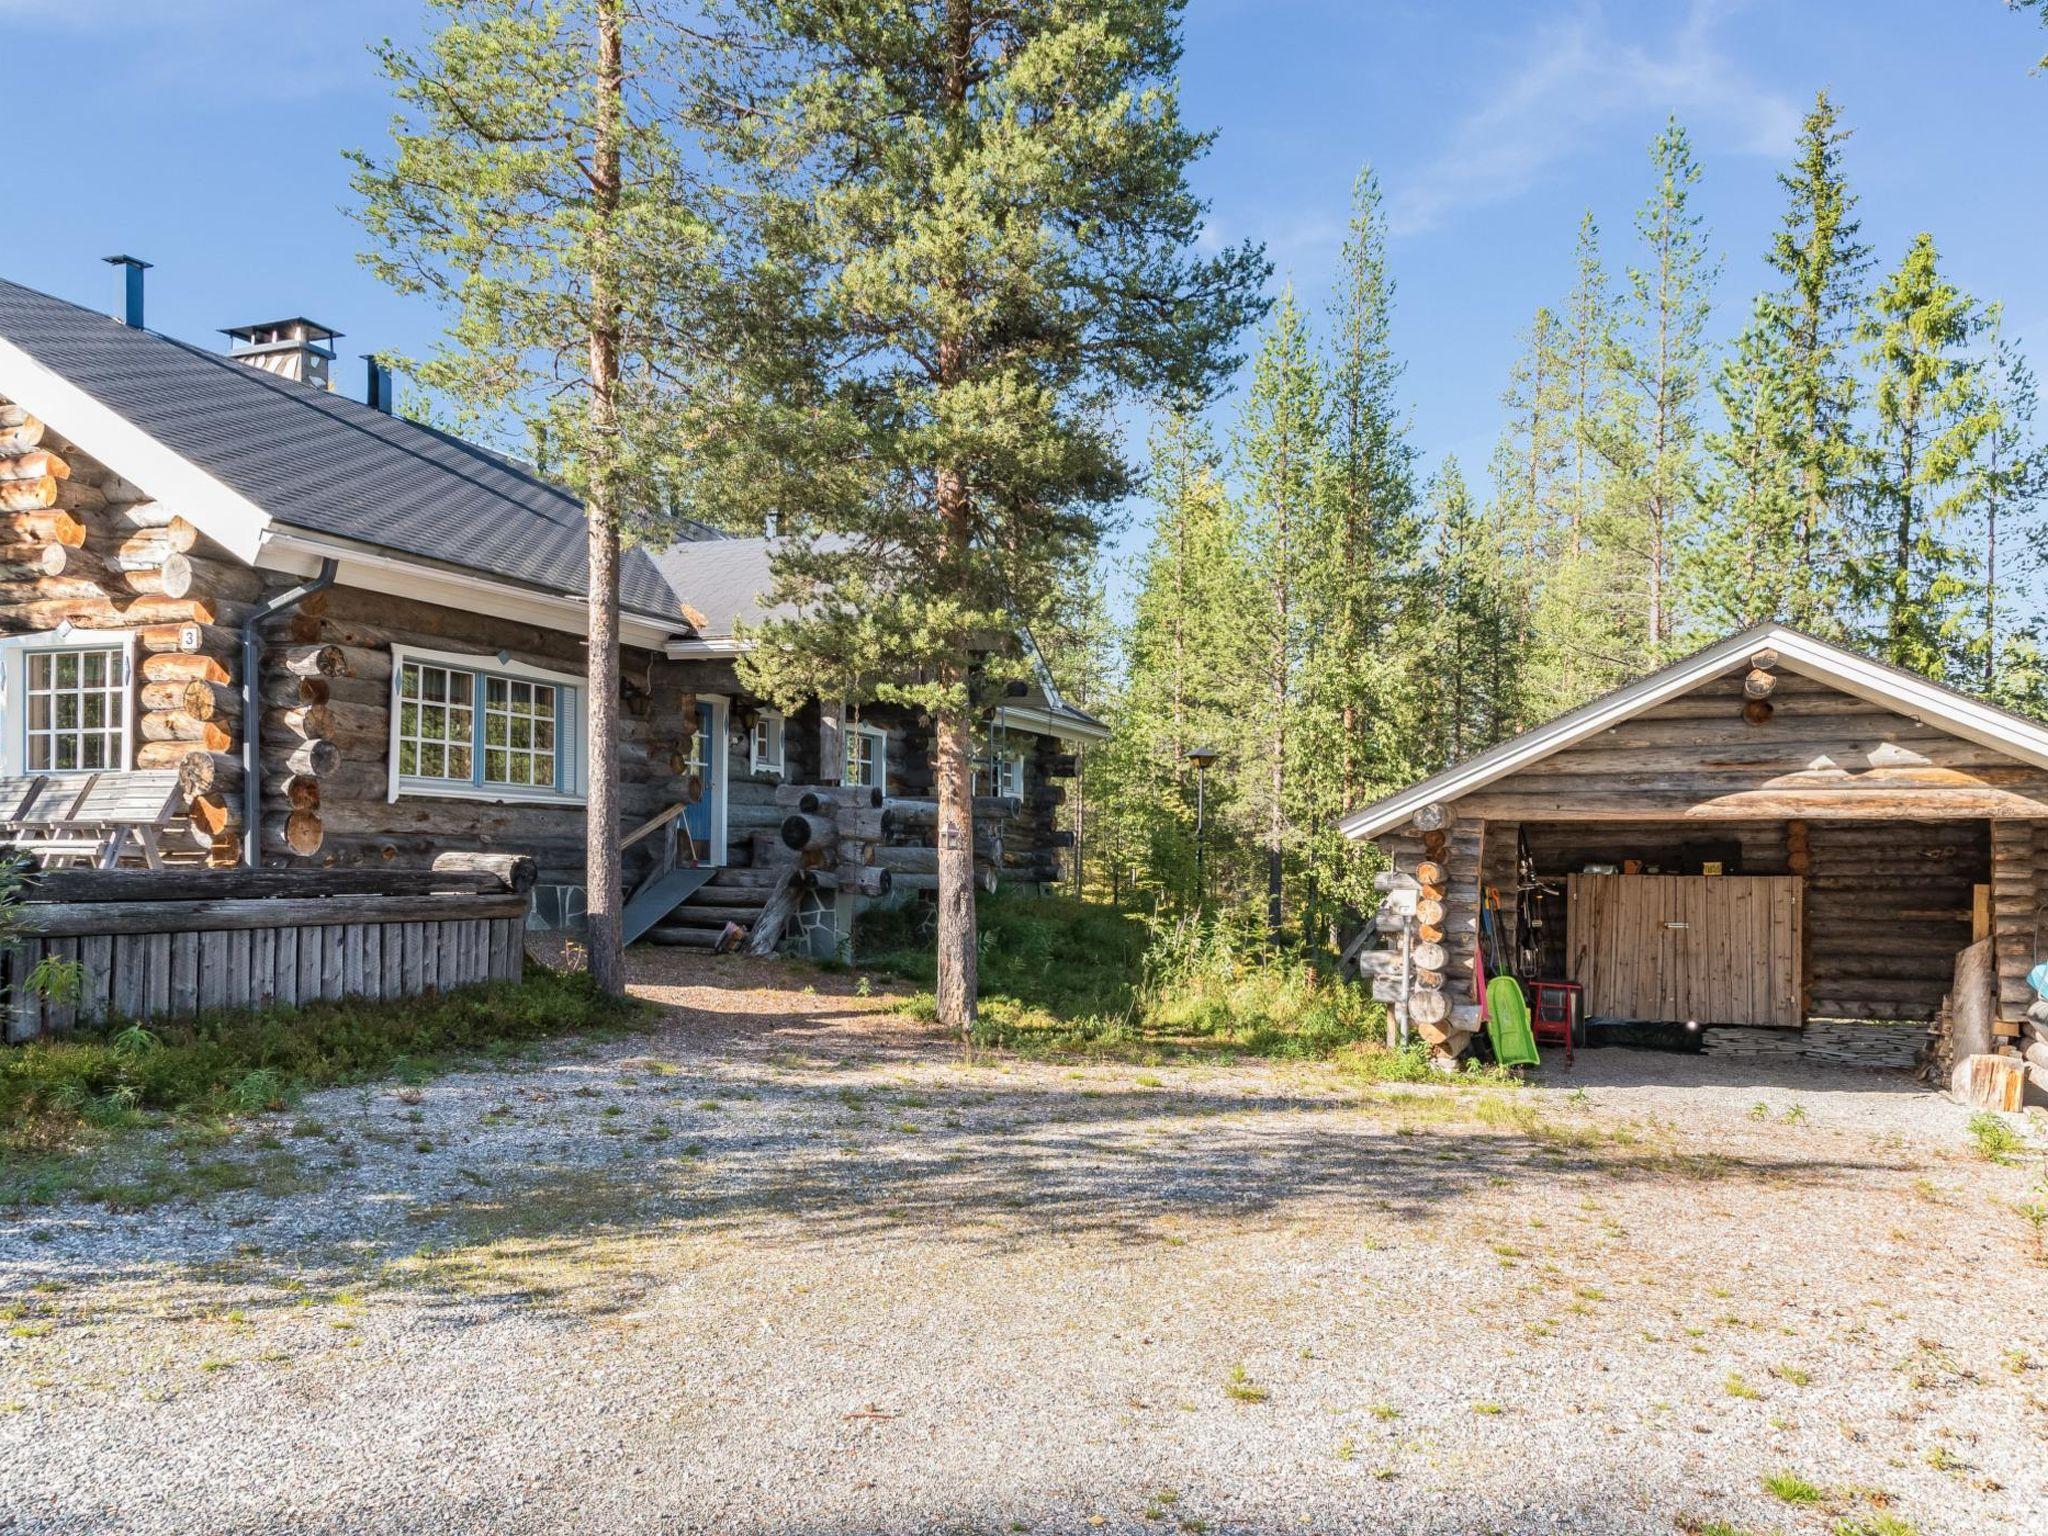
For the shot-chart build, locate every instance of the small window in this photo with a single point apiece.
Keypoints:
(767, 747)
(458, 727)
(1007, 779)
(867, 758)
(77, 714)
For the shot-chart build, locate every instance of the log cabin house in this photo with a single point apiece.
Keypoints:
(1770, 831)
(359, 642)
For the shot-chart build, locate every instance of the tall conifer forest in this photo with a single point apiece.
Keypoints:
(1335, 609)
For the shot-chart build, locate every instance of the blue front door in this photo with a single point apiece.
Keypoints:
(707, 775)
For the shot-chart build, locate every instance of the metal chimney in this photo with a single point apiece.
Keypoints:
(131, 287)
(292, 349)
(376, 383)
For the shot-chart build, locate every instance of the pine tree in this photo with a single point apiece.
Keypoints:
(1749, 561)
(1659, 361)
(1283, 470)
(1817, 252)
(1933, 417)
(538, 188)
(976, 217)
(2040, 7)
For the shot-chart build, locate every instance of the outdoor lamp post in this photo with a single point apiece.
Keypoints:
(1201, 757)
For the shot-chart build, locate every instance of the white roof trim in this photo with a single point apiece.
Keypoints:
(224, 515)
(299, 553)
(1052, 722)
(1874, 681)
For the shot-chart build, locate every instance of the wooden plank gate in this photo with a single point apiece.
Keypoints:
(175, 943)
(1719, 949)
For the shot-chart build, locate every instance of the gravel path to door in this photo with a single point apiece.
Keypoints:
(784, 1264)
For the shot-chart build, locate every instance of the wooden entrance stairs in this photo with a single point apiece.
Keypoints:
(742, 910)
(700, 906)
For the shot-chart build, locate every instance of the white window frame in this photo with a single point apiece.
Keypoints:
(765, 744)
(880, 739)
(1009, 765)
(570, 693)
(14, 651)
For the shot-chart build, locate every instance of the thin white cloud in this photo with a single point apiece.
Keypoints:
(1578, 80)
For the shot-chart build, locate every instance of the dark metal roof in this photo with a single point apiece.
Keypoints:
(323, 462)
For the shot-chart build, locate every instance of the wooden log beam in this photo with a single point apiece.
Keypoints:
(78, 919)
(34, 465)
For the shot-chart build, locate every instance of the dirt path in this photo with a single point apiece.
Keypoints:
(786, 1263)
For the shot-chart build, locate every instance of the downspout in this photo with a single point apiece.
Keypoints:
(252, 706)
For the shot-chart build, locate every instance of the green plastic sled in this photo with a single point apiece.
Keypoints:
(1507, 1023)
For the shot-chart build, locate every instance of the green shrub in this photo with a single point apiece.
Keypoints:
(249, 1062)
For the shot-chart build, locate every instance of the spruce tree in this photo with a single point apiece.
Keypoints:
(976, 219)
(1934, 415)
(1823, 263)
(1476, 637)
(1353, 688)
(2012, 474)
(1282, 470)
(1582, 640)
(1749, 563)
(1659, 361)
(1186, 683)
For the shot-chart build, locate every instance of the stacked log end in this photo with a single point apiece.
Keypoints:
(80, 546)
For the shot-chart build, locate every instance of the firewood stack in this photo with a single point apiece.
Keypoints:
(81, 546)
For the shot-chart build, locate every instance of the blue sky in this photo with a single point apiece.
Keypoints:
(206, 137)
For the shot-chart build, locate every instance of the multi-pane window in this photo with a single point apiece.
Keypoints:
(77, 713)
(436, 723)
(1007, 777)
(458, 726)
(867, 757)
(767, 749)
(519, 732)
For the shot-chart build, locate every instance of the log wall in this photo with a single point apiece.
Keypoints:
(1822, 753)
(1887, 903)
(81, 546)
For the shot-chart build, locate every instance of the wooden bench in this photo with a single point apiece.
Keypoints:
(93, 819)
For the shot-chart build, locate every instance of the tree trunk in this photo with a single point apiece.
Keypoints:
(953, 729)
(603, 897)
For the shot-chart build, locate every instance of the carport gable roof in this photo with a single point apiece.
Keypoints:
(1875, 681)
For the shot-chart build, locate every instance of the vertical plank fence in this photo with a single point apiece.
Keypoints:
(185, 943)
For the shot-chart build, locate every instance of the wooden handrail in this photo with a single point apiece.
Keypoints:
(649, 828)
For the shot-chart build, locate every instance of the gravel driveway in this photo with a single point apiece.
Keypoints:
(785, 1264)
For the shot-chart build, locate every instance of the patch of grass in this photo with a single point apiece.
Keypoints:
(1875, 1525)
(1490, 1410)
(1996, 1140)
(1067, 977)
(1789, 1487)
(1791, 1375)
(54, 1092)
(1239, 1387)
(1737, 1387)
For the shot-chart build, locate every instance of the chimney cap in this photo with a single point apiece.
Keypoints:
(127, 261)
(297, 328)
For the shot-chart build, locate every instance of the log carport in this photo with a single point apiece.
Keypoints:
(1772, 830)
